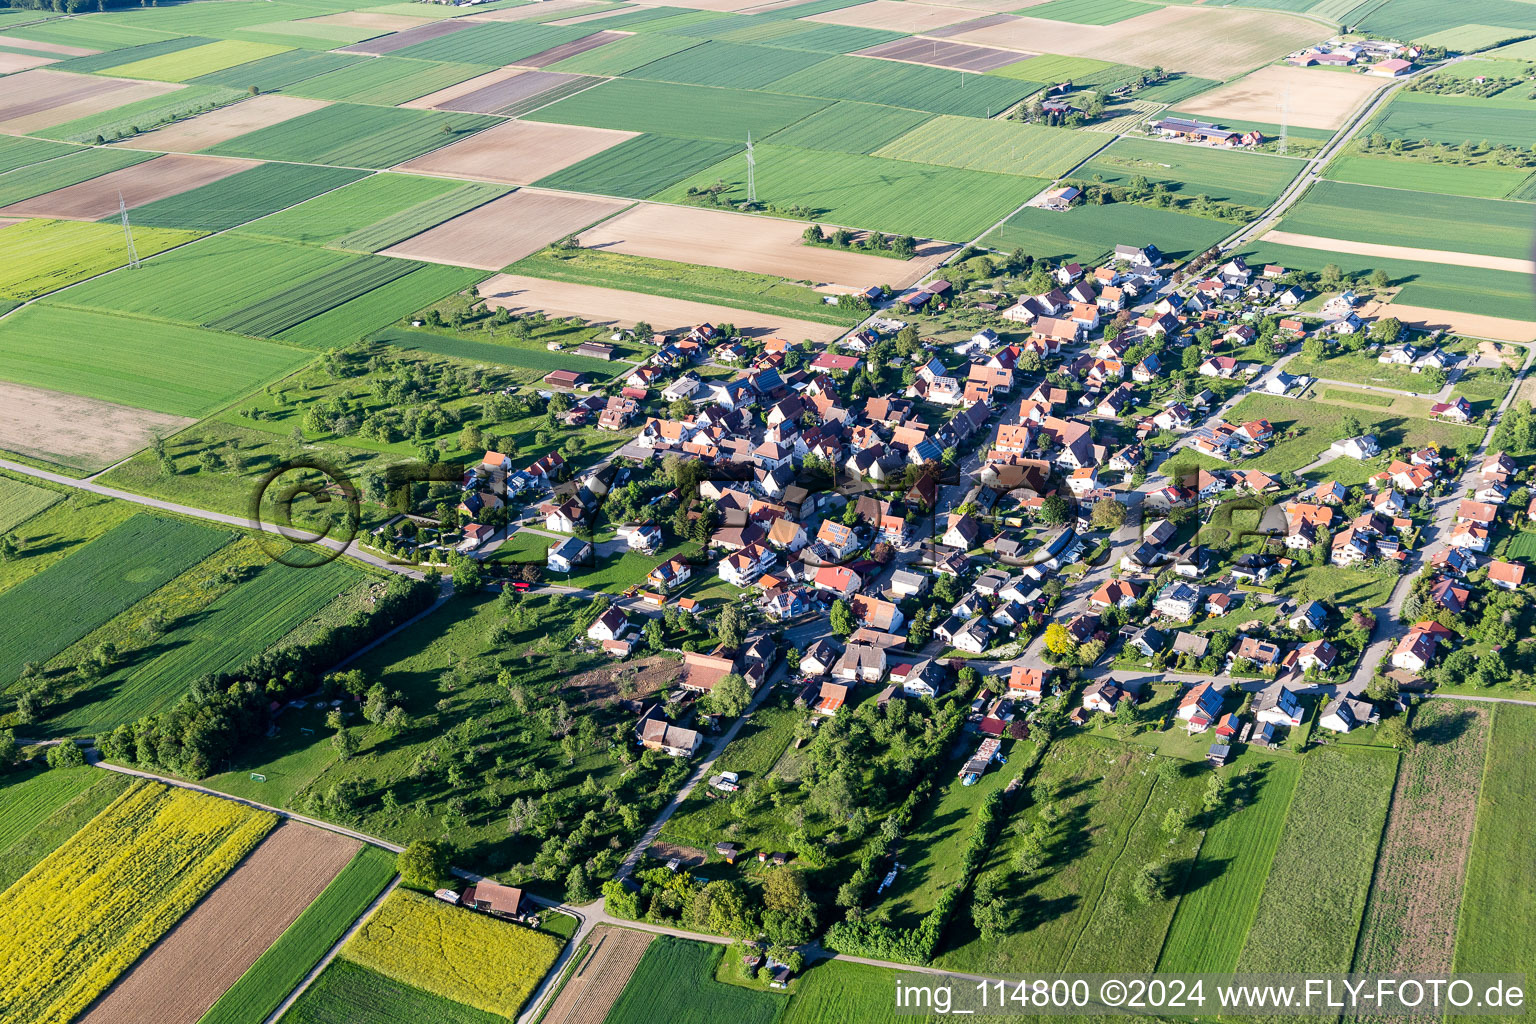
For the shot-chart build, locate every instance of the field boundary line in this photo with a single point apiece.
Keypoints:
(1104, 880)
(1386, 823)
(330, 955)
(1477, 823)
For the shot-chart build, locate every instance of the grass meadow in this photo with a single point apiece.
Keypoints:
(1334, 827)
(1480, 182)
(346, 993)
(1252, 179)
(1455, 119)
(21, 501)
(1004, 147)
(1389, 216)
(1088, 233)
(45, 255)
(675, 981)
(287, 961)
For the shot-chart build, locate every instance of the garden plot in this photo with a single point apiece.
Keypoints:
(607, 305)
(76, 432)
(142, 183)
(223, 124)
(505, 230)
(1403, 252)
(943, 54)
(212, 947)
(1318, 98)
(517, 152)
(894, 17)
(594, 988)
(10, 63)
(759, 245)
(1198, 41)
(410, 37)
(42, 98)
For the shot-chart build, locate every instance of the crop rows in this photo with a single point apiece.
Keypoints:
(48, 833)
(196, 60)
(1455, 119)
(47, 612)
(322, 924)
(20, 502)
(313, 296)
(349, 135)
(384, 80)
(71, 169)
(413, 220)
(905, 85)
(489, 964)
(675, 982)
(242, 197)
(346, 993)
(1252, 179)
(231, 631)
(279, 70)
(495, 44)
(850, 127)
(731, 64)
(999, 146)
(16, 151)
(381, 307)
(25, 803)
(129, 876)
(43, 255)
(143, 115)
(640, 167)
(1334, 209)
(123, 55)
(688, 111)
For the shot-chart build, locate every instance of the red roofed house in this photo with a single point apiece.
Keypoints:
(832, 361)
(1200, 707)
(839, 580)
(1508, 575)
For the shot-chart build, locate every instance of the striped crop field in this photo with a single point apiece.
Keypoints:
(312, 296)
(351, 135)
(131, 874)
(279, 970)
(413, 220)
(640, 167)
(195, 61)
(384, 80)
(69, 169)
(41, 256)
(20, 502)
(377, 309)
(242, 197)
(46, 613)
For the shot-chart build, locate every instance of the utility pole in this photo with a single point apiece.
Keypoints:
(751, 172)
(133, 252)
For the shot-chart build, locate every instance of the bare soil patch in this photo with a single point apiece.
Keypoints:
(756, 244)
(960, 56)
(633, 680)
(80, 433)
(505, 230)
(594, 988)
(1472, 325)
(664, 852)
(42, 98)
(1506, 355)
(904, 16)
(58, 48)
(223, 124)
(582, 19)
(142, 183)
(950, 31)
(443, 98)
(517, 152)
(610, 306)
(1410, 916)
(538, 10)
(365, 19)
(185, 972)
(409, 37)
(513, 86)
(10, 63)
(1210, 43)
(1403, 252)
(1319, 98)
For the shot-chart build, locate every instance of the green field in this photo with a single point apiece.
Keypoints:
(850, 127)
(50, 611)
(490, 352)
(1334, 825)
(348, 994)
(1496, 930)
(839, 992)
(30, 798)
(737, 65)
(240, 197)
(1087, 233)
(313, 296)
(1223, 889)
(352, 210)
(194, 61)
(16, 151)
(143, 48)
(53, 811)
(1052, 68)
(1483, 182)
(1433, 285)
(381, 307)
(495, 44)
(807, 35)
(384, 80)
(623, 55)
(270, 74)
(413, 220)
(1385, 216)
(44, 255)
(905, 85)
(20, 502)
(1003, 146)
(640, 167)
(869, 192)
(279, 970)
(1251, 179)
(675, 982)
(1090, 12)
(763, 293)
(182, 371)
(686, 111)
(1455, 119)
(232, 630)
(70, 169)
(352, 135)
(1429, 20)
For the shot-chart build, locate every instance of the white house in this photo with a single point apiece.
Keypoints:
(1344, 713)
(1178, 600)
(569, 553)
(609, 626)
(1277, 705)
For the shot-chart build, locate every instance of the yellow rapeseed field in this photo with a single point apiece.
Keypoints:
(80, 918)
(454, 953)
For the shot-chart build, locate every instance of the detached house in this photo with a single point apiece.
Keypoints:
(1200, 707)
(1277, 705)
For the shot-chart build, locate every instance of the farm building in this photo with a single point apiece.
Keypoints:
(493, 898)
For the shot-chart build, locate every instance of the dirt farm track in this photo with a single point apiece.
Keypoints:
(185, 972)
